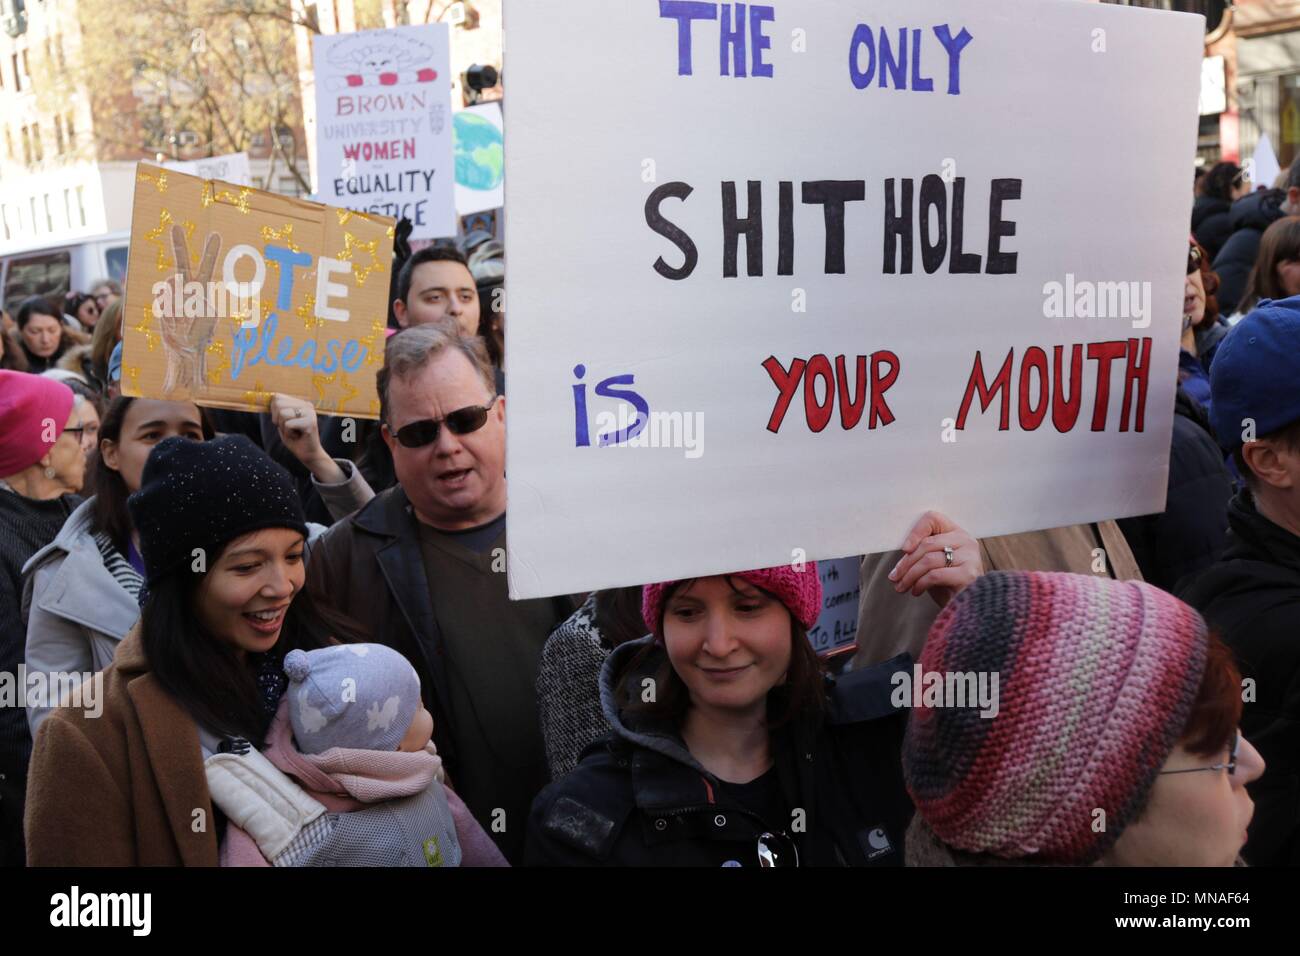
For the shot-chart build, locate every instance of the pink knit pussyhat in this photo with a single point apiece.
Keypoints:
(1096, 680)
(799, 589)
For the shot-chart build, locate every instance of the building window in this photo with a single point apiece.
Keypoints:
(71, 133)
(4, 218)
(1288, 114)
(58, 53)
(67, 207)
(27, 147)
(9, 143)
(81, 205)
(31, 204)
(58, 134)
(37, 151)
(18, 77)
(49, 216)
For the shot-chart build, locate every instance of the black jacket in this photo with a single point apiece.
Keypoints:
(1211, 222)
(1249, 217)
(1252, 597)
(638, 797)
(1192, 531)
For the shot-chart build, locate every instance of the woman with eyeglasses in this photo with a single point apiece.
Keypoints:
(1114, 741)
(1202, 328)
(82, 307)
(730, 746)
(41, 470)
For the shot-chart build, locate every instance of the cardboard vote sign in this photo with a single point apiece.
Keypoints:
(233, 294)
(834, 264)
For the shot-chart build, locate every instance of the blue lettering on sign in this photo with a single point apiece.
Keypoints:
(741, 42)
(287, 260)
(870, 48)
(608, 388)
(253, 347)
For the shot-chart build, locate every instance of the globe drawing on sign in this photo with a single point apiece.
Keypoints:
(480, 152)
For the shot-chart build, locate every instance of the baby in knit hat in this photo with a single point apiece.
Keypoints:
(353, 732)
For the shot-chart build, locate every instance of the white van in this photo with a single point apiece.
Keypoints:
(57, 268)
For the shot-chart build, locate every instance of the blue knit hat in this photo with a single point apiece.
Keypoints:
(1256, 373)
(358, 696)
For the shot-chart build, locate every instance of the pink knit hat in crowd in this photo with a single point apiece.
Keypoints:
(1097, 680)
(33, 413)
(800, 590)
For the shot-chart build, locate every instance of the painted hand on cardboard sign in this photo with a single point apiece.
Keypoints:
(925, 565)
(187, 332)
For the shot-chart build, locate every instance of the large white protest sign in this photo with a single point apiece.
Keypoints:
(822, 265)
(383, 125)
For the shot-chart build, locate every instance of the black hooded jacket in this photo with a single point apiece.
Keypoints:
(1211, 223)
(1249, 217)
(1192, 531)
(639, 798)
(1252, 598)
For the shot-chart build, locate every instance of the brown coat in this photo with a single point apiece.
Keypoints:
(126, 788)
(890, 623)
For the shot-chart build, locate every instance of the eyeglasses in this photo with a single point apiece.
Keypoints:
(1193, 259)
(1230, 766)
(460, 422)
(83, 432)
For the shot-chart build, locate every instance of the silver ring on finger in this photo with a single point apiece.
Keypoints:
(947, 556)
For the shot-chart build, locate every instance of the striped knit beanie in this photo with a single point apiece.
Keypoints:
(1096, 681)
(800, 590)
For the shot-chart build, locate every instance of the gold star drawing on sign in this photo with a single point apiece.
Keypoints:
(144, 328)
(132, 379)
(374, 356)
(258, 396)
(350, 244)
(209, 195)
(319, 382)
(284, 235)
(390, 232)
(307, 312)
(349, 393)
(159, 181)
(344, 215)
(155, 236)
(222, 366)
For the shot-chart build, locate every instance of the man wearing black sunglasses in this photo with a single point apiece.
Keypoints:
(423, 564)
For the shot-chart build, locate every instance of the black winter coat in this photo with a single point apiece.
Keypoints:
(1252, 597)
(638, 797)
(1249, 217)
(1192, 531)
(1211, 223)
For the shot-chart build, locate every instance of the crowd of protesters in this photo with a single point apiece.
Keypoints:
(283, 604)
